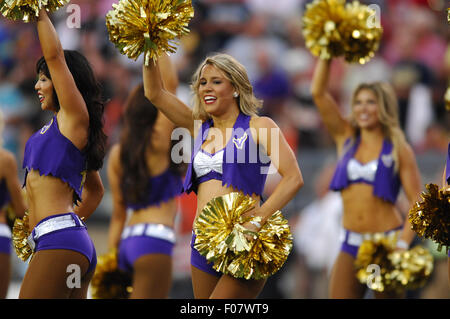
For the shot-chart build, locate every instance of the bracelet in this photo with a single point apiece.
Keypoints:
(402, 244)
(257, 224)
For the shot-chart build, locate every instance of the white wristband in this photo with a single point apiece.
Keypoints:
(257, 224)
(402, 244)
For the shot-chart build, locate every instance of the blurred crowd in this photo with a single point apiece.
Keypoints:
(266, 37)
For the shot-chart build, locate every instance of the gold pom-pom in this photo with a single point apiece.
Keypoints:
(332, 28)
(222, 239)
(28, 10)
(148, 26)
(320, 27)
(430, 217)
(109, 282)
(395, 270)
(360, 32)
(20, 233)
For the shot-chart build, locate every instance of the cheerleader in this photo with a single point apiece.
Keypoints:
(10, 195)
(145, 180)
(374, 162)
(62, 161)
(224, 103)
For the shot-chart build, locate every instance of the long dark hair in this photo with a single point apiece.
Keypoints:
(90, 89)
(139, 119)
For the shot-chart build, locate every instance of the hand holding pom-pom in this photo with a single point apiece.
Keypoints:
(109, 282)
(148, 26)
(28, 10)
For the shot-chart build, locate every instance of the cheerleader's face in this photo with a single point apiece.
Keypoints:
(215, 90)
(366, 110)
(45, 91)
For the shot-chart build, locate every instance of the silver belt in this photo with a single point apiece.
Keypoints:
(5, 231)
(53, 224)
(356, 239)
(151, 230)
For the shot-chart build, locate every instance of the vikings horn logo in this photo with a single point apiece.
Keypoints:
(239, 142)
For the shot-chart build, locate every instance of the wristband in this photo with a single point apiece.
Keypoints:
(402, 244)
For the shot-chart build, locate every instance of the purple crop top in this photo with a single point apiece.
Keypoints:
(387, 182)
(161, 188)
(4, 194)
(244, 164)
(51, 153)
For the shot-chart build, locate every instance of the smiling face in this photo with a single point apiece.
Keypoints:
(366, 109)
(44, 89)
(215, 91)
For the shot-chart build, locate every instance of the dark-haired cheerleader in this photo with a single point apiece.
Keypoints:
(62, 161)
(144, 179)
(10, 195)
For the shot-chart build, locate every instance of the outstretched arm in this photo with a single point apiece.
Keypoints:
(174, 109)
(337, 125)
(73, 110)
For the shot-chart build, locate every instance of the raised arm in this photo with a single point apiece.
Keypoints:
(92, 195)
(13, 185)
(173, 108)
(337, 125)
(119, 213)
(73, 111)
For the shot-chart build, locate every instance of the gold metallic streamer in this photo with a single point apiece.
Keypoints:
(109, 282)
(20, 235)
(28, 10)
(430, 217)
(360, 32)
(398, 270)
(148, 26)
(222, 239)
(332, 28)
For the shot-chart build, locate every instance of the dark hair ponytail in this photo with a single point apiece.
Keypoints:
(90, 89)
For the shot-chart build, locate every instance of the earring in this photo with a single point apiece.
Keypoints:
(235, 94)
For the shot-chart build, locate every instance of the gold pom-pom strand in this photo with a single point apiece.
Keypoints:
(375, 252)
(20, 235)
(397, 270)
(109, 282)
(28, 10)
(411, 268)
(430, 217)
(321, 27)
(148, 26)
(360, 32)
(268, 252)
(222, 239)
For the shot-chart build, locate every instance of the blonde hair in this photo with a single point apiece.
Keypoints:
(387, 112)
(237, 75)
